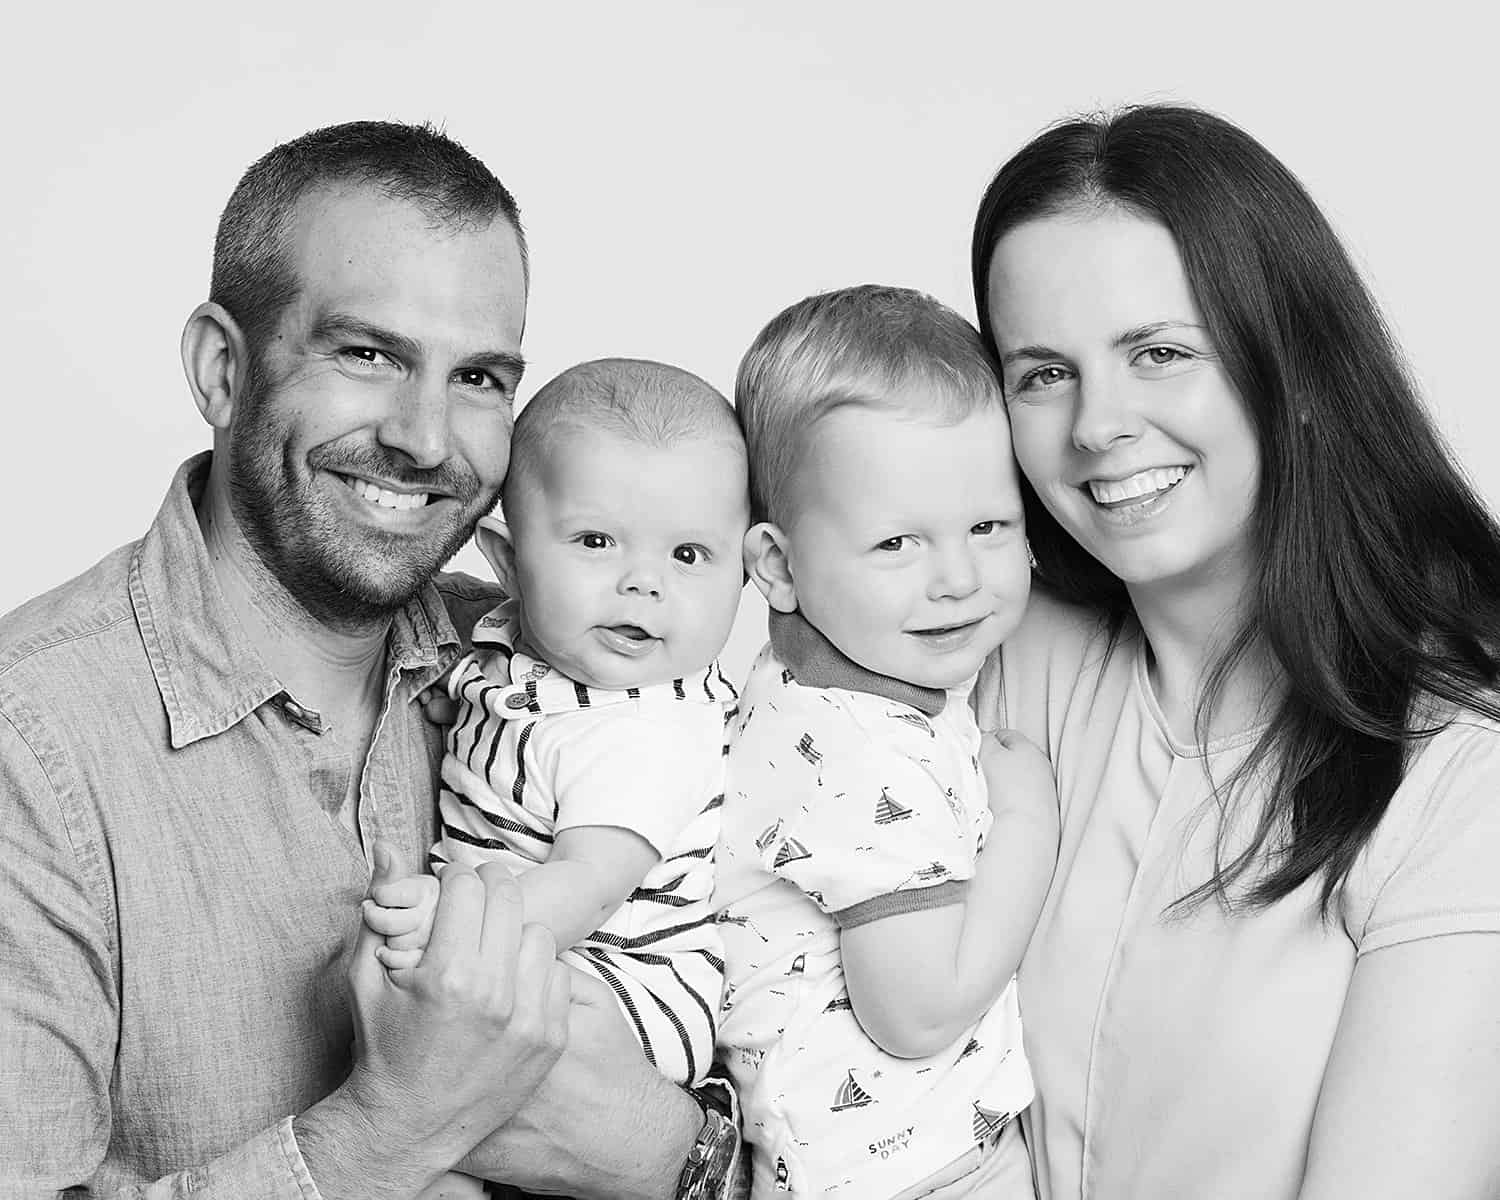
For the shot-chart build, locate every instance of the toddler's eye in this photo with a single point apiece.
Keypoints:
(690, 555)
(893, 544)
(594, 541)
(984, 528)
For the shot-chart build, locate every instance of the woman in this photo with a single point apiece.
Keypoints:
(1263, 660)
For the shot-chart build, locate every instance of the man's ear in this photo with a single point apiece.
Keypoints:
(766, 563)
(492, 536)
(216, 359)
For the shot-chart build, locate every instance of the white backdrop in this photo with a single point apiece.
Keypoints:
(684, 170)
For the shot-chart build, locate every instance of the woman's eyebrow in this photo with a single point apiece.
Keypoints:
(1142, 333)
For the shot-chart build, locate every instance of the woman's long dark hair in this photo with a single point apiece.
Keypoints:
(1378, 582)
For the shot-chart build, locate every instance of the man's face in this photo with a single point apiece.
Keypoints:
(378, 428)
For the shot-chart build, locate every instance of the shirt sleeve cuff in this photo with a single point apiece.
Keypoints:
(894, 903)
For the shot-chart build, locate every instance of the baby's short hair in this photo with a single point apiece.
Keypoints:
(642, 401)
(854, 346)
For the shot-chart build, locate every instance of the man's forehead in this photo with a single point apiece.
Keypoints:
(357, 250)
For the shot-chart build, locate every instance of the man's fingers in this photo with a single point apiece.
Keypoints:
(504, 911)
(458, 917)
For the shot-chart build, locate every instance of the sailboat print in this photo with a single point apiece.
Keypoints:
(768, 835)
(799, 964)
(808, 751)
(889, 811)
(988, 1122)
(914, 720)
(791, 851)
(850, 1095)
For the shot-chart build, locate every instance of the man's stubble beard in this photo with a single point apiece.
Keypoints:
(322, 562)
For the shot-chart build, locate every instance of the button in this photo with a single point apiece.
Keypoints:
(516, 700)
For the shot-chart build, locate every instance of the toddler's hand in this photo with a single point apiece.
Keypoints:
(401, 911)
(1017, 775)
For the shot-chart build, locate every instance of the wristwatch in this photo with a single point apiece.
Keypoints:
(709, 1172)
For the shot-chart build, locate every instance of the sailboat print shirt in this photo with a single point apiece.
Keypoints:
(533, 752)
(850, 797)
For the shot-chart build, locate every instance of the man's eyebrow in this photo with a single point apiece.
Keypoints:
(336, 326)
(501, 363)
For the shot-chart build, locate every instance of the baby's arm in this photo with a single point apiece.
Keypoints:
(917, 980)
(401, 911)
(590, 872)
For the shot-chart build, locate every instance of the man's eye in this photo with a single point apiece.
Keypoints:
(367, 356)
(690, 555)
(594, 541)
(475, 378)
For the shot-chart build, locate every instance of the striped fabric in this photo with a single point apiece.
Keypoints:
(533, 752)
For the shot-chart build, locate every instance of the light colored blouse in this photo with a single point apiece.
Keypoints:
(1182, 1055)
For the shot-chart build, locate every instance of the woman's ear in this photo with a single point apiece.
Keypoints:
(492, 536)
(766, 563)
(216, 360)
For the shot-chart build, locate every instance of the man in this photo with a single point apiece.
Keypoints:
(208, 739)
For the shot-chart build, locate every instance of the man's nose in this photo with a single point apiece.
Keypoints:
(417, 423)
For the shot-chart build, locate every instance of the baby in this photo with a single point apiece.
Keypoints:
(874, 901)
(588, 750)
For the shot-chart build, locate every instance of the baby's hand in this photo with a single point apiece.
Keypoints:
(437, 706)
(1017, 774)
(401, 910)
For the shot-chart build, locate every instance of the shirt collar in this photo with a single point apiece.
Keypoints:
(207, 671)
(814, 661)
(536, 688)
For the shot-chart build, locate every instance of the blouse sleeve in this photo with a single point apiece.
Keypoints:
(1433, 865)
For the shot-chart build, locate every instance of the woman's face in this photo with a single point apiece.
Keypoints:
(1121, 413)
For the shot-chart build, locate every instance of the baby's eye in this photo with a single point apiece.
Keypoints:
(689, 554)
(592, 540)
(984, 528)
(893, 544)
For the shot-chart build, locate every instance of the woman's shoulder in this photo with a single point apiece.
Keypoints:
(1429, 868)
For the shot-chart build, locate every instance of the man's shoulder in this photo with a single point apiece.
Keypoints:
(466, 599)
(70, 617)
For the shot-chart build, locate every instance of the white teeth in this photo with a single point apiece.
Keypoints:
(378, 495)
(1143, 483)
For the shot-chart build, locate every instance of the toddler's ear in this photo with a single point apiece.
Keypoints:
(492, 536)
(766, 563)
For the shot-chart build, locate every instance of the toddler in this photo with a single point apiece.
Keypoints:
(588, 750)
(874, 901)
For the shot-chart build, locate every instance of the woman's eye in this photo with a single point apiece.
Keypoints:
(1161, 356)
(1041, 377)
(690, 555)
(594, 541)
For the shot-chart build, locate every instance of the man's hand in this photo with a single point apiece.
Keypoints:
(604, 1123)
(448, 1050)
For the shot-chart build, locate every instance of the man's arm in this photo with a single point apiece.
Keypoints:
(917, 980)
(489, 1018)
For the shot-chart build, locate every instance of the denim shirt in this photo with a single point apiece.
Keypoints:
(176, 890)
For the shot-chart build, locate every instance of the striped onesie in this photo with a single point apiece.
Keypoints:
(534, 752)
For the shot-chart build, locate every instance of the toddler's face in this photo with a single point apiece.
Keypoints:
(627, 556)
(907, 548)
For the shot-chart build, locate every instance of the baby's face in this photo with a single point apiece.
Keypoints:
(907, 548)
(628, 556)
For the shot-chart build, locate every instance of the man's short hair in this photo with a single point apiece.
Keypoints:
(855, 346)
(638, 400)
(254, 277)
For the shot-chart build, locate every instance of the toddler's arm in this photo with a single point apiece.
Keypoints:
(401, 911)
(918, 980)
(590, 872)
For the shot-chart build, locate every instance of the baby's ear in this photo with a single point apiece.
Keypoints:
(492, 536)
(766, 563)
